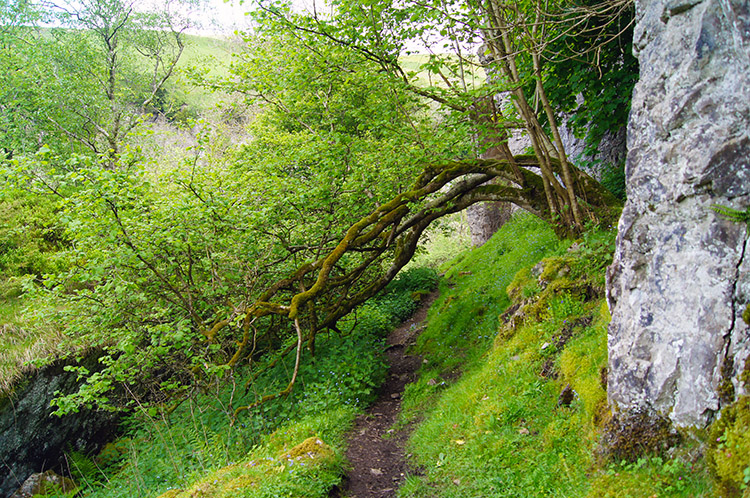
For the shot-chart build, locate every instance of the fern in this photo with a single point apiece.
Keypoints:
(733, 214)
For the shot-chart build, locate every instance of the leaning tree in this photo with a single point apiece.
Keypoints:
(353, 158)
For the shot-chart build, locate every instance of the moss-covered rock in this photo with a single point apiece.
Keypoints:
(46, 484)
(312, 448)
(632, 434)
(231, 480)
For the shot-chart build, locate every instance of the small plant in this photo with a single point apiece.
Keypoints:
(733, 214)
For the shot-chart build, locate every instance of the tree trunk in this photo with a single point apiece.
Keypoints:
(485, 219)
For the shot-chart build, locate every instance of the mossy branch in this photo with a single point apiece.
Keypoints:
(393, 230)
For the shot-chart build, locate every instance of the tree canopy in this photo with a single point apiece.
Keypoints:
(178, 271)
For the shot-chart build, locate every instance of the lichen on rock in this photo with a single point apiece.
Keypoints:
(680, 280)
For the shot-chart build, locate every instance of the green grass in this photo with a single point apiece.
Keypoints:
(209, 57)
(464, 320)
(499, 430)
(22, 346)
(414, 63)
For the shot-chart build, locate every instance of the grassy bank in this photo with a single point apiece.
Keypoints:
(525, 417)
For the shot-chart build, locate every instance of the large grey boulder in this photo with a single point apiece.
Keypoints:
(680, 279)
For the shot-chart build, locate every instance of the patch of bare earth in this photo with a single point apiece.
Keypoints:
(376, 450)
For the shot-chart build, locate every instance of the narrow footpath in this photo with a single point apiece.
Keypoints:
(376, 450)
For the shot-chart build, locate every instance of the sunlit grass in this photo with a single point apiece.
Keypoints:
(442, 242)
(500, 430)
(21, 346)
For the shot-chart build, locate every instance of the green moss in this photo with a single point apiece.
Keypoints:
(555, 268)
(745, 375)
(729, 451)
(580, 365)
(522, 280)
(630, 435)
(726, 386)
(312, 448)
(538, 309)
(648, 478)
(746, 314)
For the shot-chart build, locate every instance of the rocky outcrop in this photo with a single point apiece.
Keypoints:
(611, 151)
(32, 439)
(680, 280)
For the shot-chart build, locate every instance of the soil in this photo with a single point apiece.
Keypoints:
(376, 450)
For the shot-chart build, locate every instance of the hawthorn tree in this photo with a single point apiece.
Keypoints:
(85, 73)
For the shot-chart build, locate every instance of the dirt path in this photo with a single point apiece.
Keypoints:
(376, 451)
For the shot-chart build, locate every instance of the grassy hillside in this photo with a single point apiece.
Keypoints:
(525, 417)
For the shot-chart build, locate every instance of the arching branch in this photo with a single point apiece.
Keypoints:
(391, 233)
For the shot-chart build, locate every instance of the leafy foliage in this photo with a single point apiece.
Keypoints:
(199, 445)
(592, 72)
(736, 215)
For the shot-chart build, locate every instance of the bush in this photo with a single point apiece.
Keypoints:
(613, 179)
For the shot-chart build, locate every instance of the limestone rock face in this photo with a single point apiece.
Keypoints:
(611, 151)
(681, 277)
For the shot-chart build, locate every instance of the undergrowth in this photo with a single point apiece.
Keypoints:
(287, 447)
(524, 419)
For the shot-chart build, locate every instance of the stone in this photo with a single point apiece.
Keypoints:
(610, 152)
(680, 279)
(44, 483)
